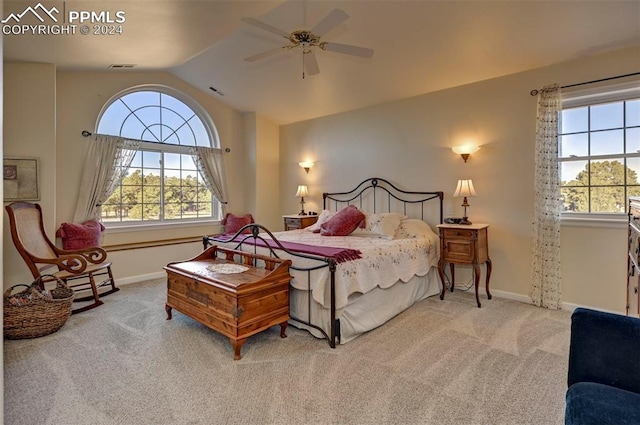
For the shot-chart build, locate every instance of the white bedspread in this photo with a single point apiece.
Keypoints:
(383, 263)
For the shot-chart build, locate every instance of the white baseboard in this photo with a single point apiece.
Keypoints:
(527, 300)
(571, 307)
(140, 278)
(507, 295)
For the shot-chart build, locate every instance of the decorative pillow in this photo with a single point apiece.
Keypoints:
(414, 228)
(343, 222)
(382, 225)
(232, 223)
(322, 218)
(79, 236)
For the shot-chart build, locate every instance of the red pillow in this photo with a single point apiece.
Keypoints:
(232, 223)
(343, 223)
(79, 236)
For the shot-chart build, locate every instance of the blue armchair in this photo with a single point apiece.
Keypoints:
(604, 369)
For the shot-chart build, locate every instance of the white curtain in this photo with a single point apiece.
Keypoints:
(105, 165)
(210, 163)
(546, 291)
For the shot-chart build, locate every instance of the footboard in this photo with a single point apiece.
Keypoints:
(249, 239)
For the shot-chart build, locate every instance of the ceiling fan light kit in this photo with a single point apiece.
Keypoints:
(308, 40)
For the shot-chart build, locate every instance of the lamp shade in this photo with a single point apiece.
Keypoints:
(302, 190)
(465, 149)
(306, 164)
(464, 189)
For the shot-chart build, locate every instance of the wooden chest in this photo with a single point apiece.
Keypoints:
(238, 304)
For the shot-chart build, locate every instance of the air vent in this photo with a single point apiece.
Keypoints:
(215, 90)
(121, 65)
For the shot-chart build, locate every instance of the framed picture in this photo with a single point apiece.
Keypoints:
(20, 178)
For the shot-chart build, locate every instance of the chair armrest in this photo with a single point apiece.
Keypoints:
(94, 254)
(71, 263)
(605, 349)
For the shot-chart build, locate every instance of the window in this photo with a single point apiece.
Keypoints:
(599, 149)
(162, 184)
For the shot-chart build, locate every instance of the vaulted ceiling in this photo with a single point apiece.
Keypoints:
(420, 46)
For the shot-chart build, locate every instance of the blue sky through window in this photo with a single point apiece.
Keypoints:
(599, 130)
(154, 117)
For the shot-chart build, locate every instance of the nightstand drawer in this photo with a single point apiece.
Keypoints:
(632, 297)
(458, 233)
(634, 214)
(292, 222)
(634, 247)
(459, 250)
(634, 207)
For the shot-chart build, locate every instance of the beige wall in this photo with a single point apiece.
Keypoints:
(30, 131)
(261, 167)
(409, 142)
(268, 174)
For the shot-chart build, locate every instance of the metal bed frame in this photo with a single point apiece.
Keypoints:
(366, 194)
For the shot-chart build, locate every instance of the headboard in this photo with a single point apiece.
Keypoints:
(377, 195)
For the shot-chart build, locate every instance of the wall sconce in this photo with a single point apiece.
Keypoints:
(302, 192)
(465, 189)
(465, 150)
(306, 165)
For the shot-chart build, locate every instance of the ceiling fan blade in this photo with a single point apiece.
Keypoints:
(265, 27)
(263, 54)
(310, 63)
(333, 19)
(347, 49)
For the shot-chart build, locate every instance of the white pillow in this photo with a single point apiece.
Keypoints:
(382, 225)
(414, 228)
(324, 216)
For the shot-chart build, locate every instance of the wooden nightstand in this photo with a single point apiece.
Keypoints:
(464, 244)
(294, 221)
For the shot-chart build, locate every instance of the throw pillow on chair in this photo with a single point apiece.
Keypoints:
(80, 235)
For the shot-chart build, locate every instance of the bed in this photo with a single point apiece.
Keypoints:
(344, 286)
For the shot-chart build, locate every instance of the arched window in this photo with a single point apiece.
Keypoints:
(163, 183)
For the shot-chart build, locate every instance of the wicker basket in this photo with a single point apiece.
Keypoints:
(32, 312)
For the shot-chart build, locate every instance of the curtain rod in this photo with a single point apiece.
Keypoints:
(86, 133)
(534, 92)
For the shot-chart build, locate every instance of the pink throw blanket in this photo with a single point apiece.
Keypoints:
(341, 255)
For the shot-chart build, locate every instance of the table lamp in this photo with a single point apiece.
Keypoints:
(465, 189)
(302, 192)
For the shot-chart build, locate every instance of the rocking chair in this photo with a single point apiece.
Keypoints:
(77, 268)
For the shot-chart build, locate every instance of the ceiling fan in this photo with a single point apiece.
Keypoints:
(308, 40)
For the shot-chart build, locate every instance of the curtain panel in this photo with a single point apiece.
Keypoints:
(546, 283)
(210, 163)
(105, 165)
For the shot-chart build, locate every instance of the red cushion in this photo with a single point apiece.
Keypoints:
(79, 236)
(343, 223)
(232, 223)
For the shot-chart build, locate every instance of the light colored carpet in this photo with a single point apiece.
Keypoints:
(440, 362)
